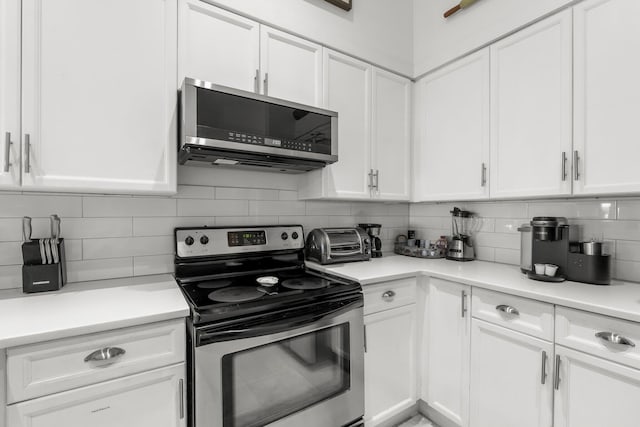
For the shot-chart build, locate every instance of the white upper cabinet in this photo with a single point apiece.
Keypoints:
(99, 96)
(607, 96)
(10, 160)
(531, 114)
(451, 142)
(218, 46)
(291, 67)
(391, 135)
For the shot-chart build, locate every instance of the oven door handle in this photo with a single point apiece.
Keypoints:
(203, 337)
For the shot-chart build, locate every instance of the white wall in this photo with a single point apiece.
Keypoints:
(379, 31)
(438, 40)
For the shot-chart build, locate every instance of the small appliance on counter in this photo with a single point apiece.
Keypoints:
(373, 230)
(555, 243)
(44, 266)
(463, 224)
(337, 245)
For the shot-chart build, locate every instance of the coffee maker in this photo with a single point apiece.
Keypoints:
(373, 230)
(556, 242)
(460, 246)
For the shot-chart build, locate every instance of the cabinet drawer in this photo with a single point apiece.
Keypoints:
(40, 369)
(530, 317)
(577, 329)
(386, 295)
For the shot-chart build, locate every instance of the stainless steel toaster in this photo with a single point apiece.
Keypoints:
(337, 245)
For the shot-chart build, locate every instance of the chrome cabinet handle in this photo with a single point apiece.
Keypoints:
(181, 391)
(106, 353)
(508, 309)
(576, 164)
(7, 151)
(370, 179)
(27, 153)
(377, 176)
(564, 166)
(256, 82)
(483, 175)
(543, 375)
(266, 83)
(615, 338)
(556, 378)
(388, 296)
(463, 307)
(365, 337)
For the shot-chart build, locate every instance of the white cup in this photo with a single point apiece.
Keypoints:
(539, 269)
(550, 269)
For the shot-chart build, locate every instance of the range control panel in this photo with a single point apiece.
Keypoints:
(203, 241)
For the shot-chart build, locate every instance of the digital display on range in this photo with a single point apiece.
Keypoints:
(246, 238)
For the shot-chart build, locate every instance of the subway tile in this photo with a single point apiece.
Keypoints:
(194, 175)
(195, 192)
(127, 247)
(509, 225)
(192, 207)
(398, 209)
(430, 209)
(10, 253)
(10, 229)
(73, 249)
(156, 264)
(498, 209)
(507, 256)
(128, 206)
(229, 193)
(308, 222)
(80, 271)
(369, 209)
(328, 208)
(485, 253)
(626, 270)
(626, 250)
(429, 222)
(160, 226)
(593, 209)
(10, 276)
(341, 221)
(232, 221)
(287, 195)
(264, 207)
(13, 205)
(487, 225)
(498, 240)
(629, 209)
(618, 230)
(86, 228)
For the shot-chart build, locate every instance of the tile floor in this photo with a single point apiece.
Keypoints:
(417, 421)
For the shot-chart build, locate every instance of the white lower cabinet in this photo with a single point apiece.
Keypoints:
(390, 357)
(511, 381)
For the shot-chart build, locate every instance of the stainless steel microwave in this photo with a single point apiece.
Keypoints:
(222, 126)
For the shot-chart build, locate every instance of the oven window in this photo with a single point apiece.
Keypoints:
(263, 384)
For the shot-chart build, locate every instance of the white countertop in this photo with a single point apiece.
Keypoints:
(83, 308)
(620, 299)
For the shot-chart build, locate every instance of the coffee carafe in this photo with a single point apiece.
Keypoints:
(463, 224)
(373, 230)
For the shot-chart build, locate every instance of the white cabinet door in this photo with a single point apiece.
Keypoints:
(451, 143)
(151, 399)
(99, 95)
(218, 46)
(531, 110)
(594, 392)
(291, 67)
(511, 381)
(390, 363)
(10, 161)
(607, 96)
(447, 328)
(391, 135)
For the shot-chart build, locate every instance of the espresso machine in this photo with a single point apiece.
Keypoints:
(555, 242)
(373, 230)
(460, 247)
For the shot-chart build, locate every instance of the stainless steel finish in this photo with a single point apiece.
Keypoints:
(564, 166)
(388, 296)
(265, 83)
(7, 151)
(576, 165)
(592, 248)
(55, 237)
(615, 339)
(337, 245)
(548, 228)
(106, 353)
(27, 153)
(370, 179)
(463, 307)
(543, 370)
(218, 244)
(364, 337)
(526, 248)
(256, 82)
(26, 229)
(181, 391)
(483, 175)
(377, 175)
(508, 309)
(556, 378)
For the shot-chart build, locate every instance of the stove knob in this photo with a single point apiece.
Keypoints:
(294, 235)
(204, 240)
(189, 241)
(284, 236)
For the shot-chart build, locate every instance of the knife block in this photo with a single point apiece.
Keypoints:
(45, 277)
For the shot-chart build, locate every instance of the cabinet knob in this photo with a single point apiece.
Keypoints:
(508, 309)
(106, 353)
(388, 296)
(615, 338)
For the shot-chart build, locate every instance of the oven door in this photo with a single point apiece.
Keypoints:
(306, 370)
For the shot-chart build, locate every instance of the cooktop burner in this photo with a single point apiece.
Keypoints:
(306, 283)
(235, 294)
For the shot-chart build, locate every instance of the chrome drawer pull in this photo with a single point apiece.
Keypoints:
(615, 338)
(508, 309)
(556, 377)
(105, 354)
(388, 296)
(543, 374)
(7, 152)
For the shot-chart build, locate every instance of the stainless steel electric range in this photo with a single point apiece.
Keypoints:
(270, 342)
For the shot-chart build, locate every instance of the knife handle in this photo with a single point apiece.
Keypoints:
(55, 227)
(26, 229)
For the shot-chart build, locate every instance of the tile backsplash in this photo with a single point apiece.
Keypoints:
(615, 220)
(121, 236)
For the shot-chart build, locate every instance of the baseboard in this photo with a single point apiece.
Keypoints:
(434, 415)
(398, 418)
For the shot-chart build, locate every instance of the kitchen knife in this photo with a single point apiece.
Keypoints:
(43, 255)
(47, 250)
(462, 5)
(26, 229)
(55, 237)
